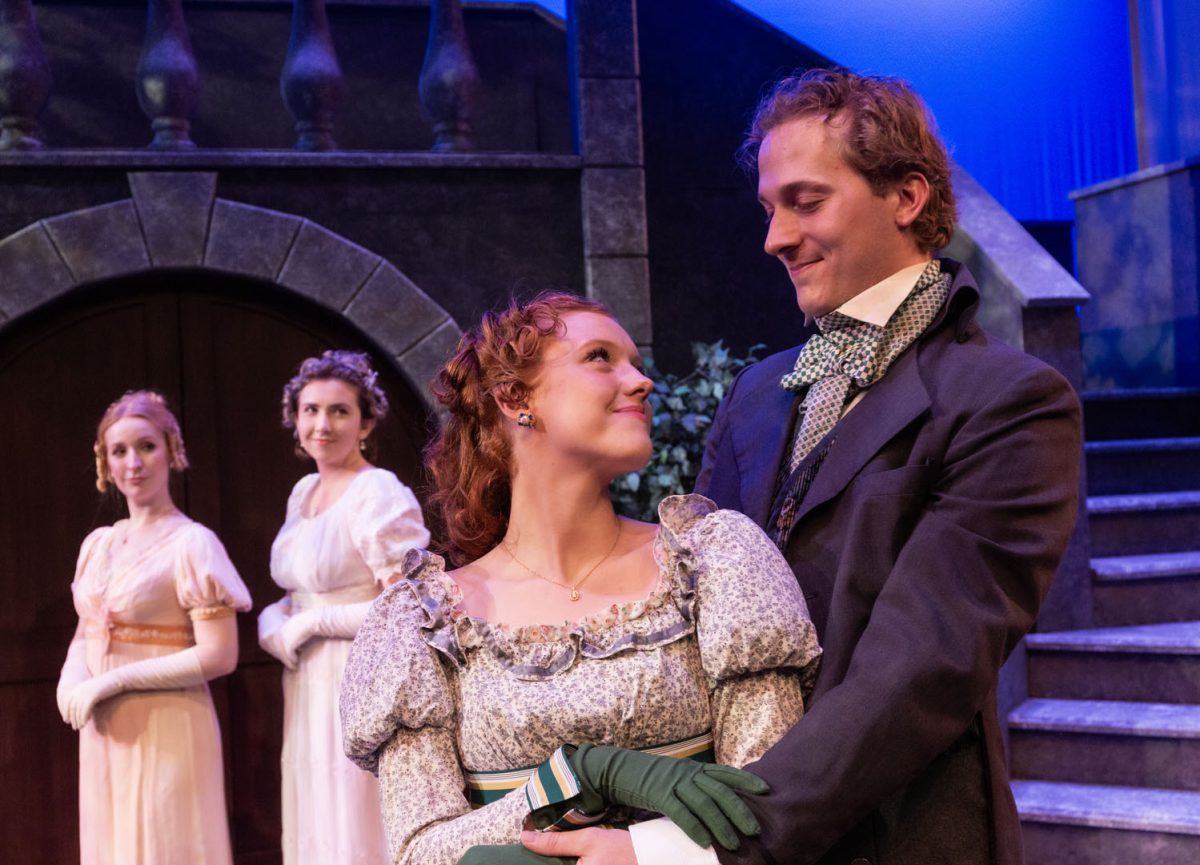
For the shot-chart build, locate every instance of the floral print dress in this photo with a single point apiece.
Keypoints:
(723, 644)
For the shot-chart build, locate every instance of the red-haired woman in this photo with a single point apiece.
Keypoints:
(565, 623)
(156, 596)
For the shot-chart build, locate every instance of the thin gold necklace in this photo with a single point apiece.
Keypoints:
(574, 588)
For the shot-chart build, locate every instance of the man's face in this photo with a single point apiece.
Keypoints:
(834, 235)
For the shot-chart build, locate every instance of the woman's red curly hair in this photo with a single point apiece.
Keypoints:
(469, 461)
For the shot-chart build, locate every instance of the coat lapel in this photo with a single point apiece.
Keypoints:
(887, 408)
(759, 447)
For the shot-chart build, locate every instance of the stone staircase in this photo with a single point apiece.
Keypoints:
(1105, 754)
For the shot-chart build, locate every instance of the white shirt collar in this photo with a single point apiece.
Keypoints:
(876, 304)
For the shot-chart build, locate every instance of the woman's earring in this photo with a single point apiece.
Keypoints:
(362, 445)
(525, 419)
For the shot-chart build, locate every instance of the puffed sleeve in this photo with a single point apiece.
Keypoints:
(399, 721)
(385, 523)
(206, 582)
(758, 646)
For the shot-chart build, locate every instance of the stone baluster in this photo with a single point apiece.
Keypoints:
(24, 76)
(311, 82)
(449, 82)
(168, 84)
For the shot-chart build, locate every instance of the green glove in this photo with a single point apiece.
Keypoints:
(508, 854)
(699, 798)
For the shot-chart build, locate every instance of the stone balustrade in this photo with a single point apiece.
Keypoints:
(168, 79)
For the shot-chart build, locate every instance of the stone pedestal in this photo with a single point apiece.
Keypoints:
(1138, 246)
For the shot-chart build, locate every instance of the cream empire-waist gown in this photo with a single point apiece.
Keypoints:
(151, 782)
(344, 555)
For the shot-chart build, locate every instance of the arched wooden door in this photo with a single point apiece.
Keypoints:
(220, 348)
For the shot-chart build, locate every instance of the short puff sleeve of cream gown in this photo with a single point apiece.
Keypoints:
(385, 522)
(206, 582)
(728, 624)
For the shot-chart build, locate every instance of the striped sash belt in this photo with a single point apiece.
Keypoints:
(485, 787)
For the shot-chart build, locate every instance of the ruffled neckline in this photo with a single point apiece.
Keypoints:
(535, 651)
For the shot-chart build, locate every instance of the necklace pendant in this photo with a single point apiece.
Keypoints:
(574, 594)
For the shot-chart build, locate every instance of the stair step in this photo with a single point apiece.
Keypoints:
(1142, 663)
(1159, 587)
(1142, 809)
(1155, 566)
(1141, 413)
(1140, 523)
(1112, 717)
(1136, 465)
(1168, 638)
(1083, 824)
(1106, 742)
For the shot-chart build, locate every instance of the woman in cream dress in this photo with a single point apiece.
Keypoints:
(347, 529)
(156, 596)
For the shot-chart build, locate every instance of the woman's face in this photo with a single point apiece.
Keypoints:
(589, 397)
(329, 422)
(138, 461)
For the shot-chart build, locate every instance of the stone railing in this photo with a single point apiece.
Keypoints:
(1032, 302)
(168, 80)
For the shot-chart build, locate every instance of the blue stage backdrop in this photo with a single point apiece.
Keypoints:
(1034, 97)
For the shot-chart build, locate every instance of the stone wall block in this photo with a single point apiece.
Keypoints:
(623, 285)
(249, 240)
(603, 35)
(422, 362)
(31, 271)
(174, 208)
(326, 267)
(391, 306)
(614, 211)
(100, 242)
(611, 121)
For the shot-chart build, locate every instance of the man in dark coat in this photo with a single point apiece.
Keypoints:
(920, 478)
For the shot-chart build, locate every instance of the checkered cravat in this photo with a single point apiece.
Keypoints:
(849, 355)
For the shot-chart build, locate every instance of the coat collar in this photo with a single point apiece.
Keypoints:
(898, 399)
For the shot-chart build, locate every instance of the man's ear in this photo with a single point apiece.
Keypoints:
(912, 194)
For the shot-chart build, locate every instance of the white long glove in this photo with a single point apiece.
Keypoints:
(270, 630)
(177, 670)
(340, 621)
(74, 671)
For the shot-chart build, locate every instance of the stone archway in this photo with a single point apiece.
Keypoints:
(174, 219)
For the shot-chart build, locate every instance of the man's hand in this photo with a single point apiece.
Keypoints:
(591, 846)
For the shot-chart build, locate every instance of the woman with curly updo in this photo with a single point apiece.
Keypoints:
(564, 623)
(347, 528)
(156, 596)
